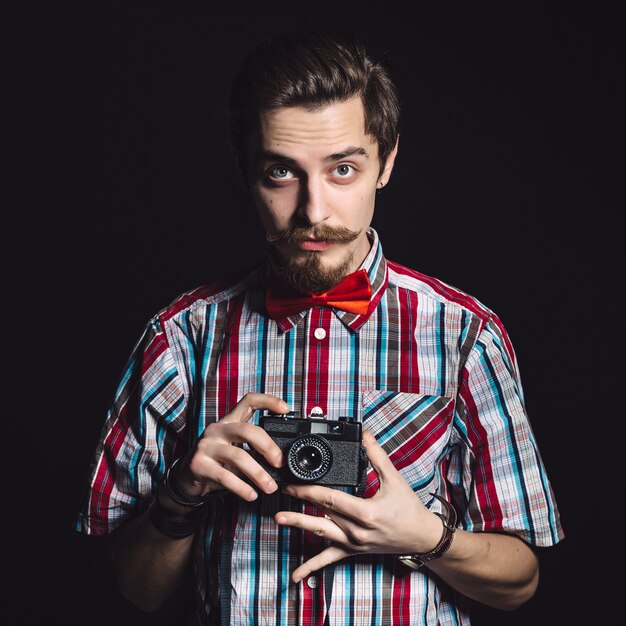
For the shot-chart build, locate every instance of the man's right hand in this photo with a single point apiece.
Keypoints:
(218, 460)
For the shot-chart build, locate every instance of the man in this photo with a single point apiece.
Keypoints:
(455, 494)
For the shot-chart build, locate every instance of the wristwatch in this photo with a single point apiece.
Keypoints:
(449, 520)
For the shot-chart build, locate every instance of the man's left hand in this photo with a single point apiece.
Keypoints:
(393, 521)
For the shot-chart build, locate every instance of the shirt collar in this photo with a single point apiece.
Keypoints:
(376, 267)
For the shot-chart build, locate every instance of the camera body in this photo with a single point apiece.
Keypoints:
(317, 450)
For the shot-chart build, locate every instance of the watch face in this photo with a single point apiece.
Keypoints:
(411, 561)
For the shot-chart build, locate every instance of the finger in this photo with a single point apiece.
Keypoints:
(332, 554)
(242, 432)
(252, 402)
(238, 461)
(224, 478)
(212, 453)
(334, 527)
(329, 499)
(320, 526)
(258, 439)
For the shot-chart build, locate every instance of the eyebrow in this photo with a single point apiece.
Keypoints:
(271, 155)
(348, 152)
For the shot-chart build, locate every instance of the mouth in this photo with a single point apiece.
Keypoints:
(315, 244)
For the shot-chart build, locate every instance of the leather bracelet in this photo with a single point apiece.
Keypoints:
(172, 489)
(449, 520)
(171, 527)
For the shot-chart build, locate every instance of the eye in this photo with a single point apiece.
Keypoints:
(280, 173)
(344, 171)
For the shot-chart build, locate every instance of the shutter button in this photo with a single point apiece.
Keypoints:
(319, 333)
(311, 582)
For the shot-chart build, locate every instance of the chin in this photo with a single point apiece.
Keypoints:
(311, 275)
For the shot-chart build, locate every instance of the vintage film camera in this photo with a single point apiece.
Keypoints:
(317, 450)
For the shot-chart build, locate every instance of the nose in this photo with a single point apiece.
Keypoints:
(312, 203)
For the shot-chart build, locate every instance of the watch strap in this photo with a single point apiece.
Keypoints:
(174, 526)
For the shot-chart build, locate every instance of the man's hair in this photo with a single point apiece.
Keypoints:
(313, 68)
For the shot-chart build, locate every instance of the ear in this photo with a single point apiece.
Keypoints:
(383, 179)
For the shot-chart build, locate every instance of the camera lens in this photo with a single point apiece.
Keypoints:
(309, 458)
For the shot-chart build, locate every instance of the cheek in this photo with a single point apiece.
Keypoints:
(272, 209)
(359, 209)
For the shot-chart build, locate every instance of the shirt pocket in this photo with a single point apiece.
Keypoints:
(414, 430)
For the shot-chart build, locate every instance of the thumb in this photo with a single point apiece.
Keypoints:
(378, 457)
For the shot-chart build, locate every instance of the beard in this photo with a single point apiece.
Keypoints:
(310, 275)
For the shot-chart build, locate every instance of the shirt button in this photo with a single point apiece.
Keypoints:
(311, 582)
(319, 333)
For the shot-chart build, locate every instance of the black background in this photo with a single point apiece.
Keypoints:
(122, 194)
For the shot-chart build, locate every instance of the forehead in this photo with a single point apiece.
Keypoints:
(324, 130)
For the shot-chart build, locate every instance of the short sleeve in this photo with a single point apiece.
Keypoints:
(143, 432)
(496, 472)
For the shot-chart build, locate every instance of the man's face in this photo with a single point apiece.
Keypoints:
(313, 176)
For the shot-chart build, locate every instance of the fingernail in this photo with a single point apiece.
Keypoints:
(253, 496)
(281, 519)
(271, 486)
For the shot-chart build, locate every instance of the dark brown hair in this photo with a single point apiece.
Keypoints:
(313, 68)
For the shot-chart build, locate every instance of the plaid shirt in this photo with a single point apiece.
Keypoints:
(428, 370)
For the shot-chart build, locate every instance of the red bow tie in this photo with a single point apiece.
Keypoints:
(352, 294)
